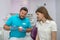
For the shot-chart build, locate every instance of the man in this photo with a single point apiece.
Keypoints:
(18, 25)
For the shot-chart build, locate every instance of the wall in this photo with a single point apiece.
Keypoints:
(5, 7)
(58, 18)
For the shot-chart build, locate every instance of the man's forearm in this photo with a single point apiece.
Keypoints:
(29, 30)
(6, 27)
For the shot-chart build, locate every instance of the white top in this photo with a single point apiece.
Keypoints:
(45, 29)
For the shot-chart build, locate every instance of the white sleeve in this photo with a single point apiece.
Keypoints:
(37, 24)
(54, 26)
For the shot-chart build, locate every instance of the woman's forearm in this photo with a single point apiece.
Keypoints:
(37, 37)
(54, 37)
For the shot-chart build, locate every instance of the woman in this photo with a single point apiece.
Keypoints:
(47, 28)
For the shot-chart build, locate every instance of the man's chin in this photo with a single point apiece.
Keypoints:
(22, 17)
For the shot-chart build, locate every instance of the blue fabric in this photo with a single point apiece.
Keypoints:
(13, 28)
(15, 22)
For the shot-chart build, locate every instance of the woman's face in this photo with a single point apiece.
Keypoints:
(39, 16)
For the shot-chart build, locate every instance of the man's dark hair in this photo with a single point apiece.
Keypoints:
(24, 8)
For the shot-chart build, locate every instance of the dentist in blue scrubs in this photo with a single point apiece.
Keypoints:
(18, 25)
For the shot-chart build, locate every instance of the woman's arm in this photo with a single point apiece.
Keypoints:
(37, 37)
(54, 35)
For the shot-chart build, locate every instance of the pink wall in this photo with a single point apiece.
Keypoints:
(17, 4)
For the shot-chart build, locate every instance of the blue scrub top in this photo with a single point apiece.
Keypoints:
(16, 21)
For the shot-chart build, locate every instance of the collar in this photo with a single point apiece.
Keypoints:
(47, 21)
(20, 17)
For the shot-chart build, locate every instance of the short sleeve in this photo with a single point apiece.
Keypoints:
(37, 24)
(54, 26)
(9, 21)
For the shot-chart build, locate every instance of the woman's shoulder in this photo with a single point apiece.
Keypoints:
(52, 22)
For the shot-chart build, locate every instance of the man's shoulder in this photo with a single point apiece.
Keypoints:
(14, 16)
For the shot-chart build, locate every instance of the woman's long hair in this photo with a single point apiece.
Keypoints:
(44, 11)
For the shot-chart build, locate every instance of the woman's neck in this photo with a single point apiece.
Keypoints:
(44, 20)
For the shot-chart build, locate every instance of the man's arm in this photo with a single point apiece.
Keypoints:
(29, 30)
(6, 27)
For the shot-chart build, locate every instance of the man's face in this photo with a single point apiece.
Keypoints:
(22, 13)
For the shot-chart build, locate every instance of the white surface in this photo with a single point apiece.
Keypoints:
(5, 6)
(58, 18)
(0, 32)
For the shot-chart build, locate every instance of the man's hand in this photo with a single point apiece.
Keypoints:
(6, 27)
(20, 28)
(29, 30)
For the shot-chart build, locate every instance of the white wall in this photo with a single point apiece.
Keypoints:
(58, 18)
(5, 6)
(4, 9)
